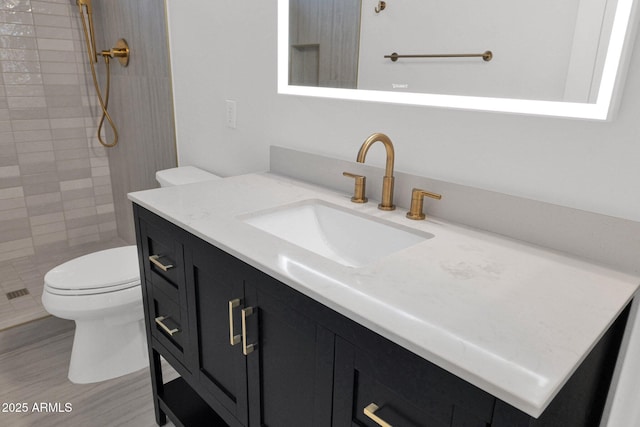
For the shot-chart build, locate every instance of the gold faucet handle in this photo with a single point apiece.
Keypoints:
(360, 188)
(417, 198)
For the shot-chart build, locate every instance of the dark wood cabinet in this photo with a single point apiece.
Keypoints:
(253, 352)
(290, 368)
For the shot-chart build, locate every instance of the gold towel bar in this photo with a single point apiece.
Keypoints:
(487, 56)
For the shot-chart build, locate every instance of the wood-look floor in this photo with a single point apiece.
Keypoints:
(34, 360)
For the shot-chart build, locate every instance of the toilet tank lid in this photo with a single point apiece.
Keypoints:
(103, 269)
(183, 175)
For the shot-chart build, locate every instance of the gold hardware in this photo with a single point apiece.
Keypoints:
(381, 6)
(155, 259)
(360, 188)
(486, 56)
(160, 321)
(417, 198)
(233, 339)
(387, 181)
(120, 51)
(370, 411)
(246, 348)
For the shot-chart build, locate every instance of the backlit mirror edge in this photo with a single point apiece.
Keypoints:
(604, 109)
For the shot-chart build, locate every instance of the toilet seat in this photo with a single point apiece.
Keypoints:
(100, 272)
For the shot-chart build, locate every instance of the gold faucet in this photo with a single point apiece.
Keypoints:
(387, 181)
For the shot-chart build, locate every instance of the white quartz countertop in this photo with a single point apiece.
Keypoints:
(513, 319)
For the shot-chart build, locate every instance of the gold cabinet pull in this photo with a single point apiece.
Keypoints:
(160, 322)
(155, 259)
(370, 412)
(233, 339)
(246, 348)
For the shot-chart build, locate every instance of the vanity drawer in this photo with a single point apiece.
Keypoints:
(382, 382)
(169, 323)
(162, 253)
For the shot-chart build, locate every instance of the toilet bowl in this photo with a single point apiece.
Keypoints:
(101, 292)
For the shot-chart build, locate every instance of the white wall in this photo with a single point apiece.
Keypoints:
(227, 50)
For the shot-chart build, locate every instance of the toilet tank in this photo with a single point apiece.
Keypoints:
(183, 175)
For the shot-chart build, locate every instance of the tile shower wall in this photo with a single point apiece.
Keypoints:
(141, 99)
(55, 187)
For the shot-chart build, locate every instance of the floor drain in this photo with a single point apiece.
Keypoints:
(18, 293)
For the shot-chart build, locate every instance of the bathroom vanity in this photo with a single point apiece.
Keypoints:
(462, 328)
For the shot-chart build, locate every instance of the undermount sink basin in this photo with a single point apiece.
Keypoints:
(339, 234)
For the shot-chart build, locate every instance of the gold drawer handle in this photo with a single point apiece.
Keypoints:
(246, 348)
(233, 339)
(159, 321)
(370, 411)
(155, 260)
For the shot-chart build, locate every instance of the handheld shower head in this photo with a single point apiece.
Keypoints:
(91, 37)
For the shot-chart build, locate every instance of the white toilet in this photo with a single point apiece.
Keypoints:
(101, 292)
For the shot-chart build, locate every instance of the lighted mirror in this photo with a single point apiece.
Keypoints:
(546, 58)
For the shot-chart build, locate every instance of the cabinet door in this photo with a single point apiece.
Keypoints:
(215, 288)
(289, 359)
(382, 384)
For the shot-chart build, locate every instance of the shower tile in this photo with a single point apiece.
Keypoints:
(45, 239)
(16, 5)
(34, 124)
(15, 54)
(86, 202)
(52, 227)
(9, 172)
(51, 20)
(33, 158)
(11, 193)
(80, 212)
(77, 241)
(14, 233)
(68, 133)
(43, 199)
(103, 209)
(57, 56)
(83, 231)
(58, 67)
(18, 42)
(47, 218)
(32, 135)
(100, 171)
(15, 203)
(17, 30)
(62, 123)
(22, 78)
(82, 222)
(26, 102)
(40, 188)
(28, 113)
(60, 102)
(49, 8)
(15, 17)
(54, 44)
(74, 174)
(13, 214)
(80, 153)
(60, 79)
(76, 184)
(73, 164)
(54, 33)
(34, 147)
(21, 67)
